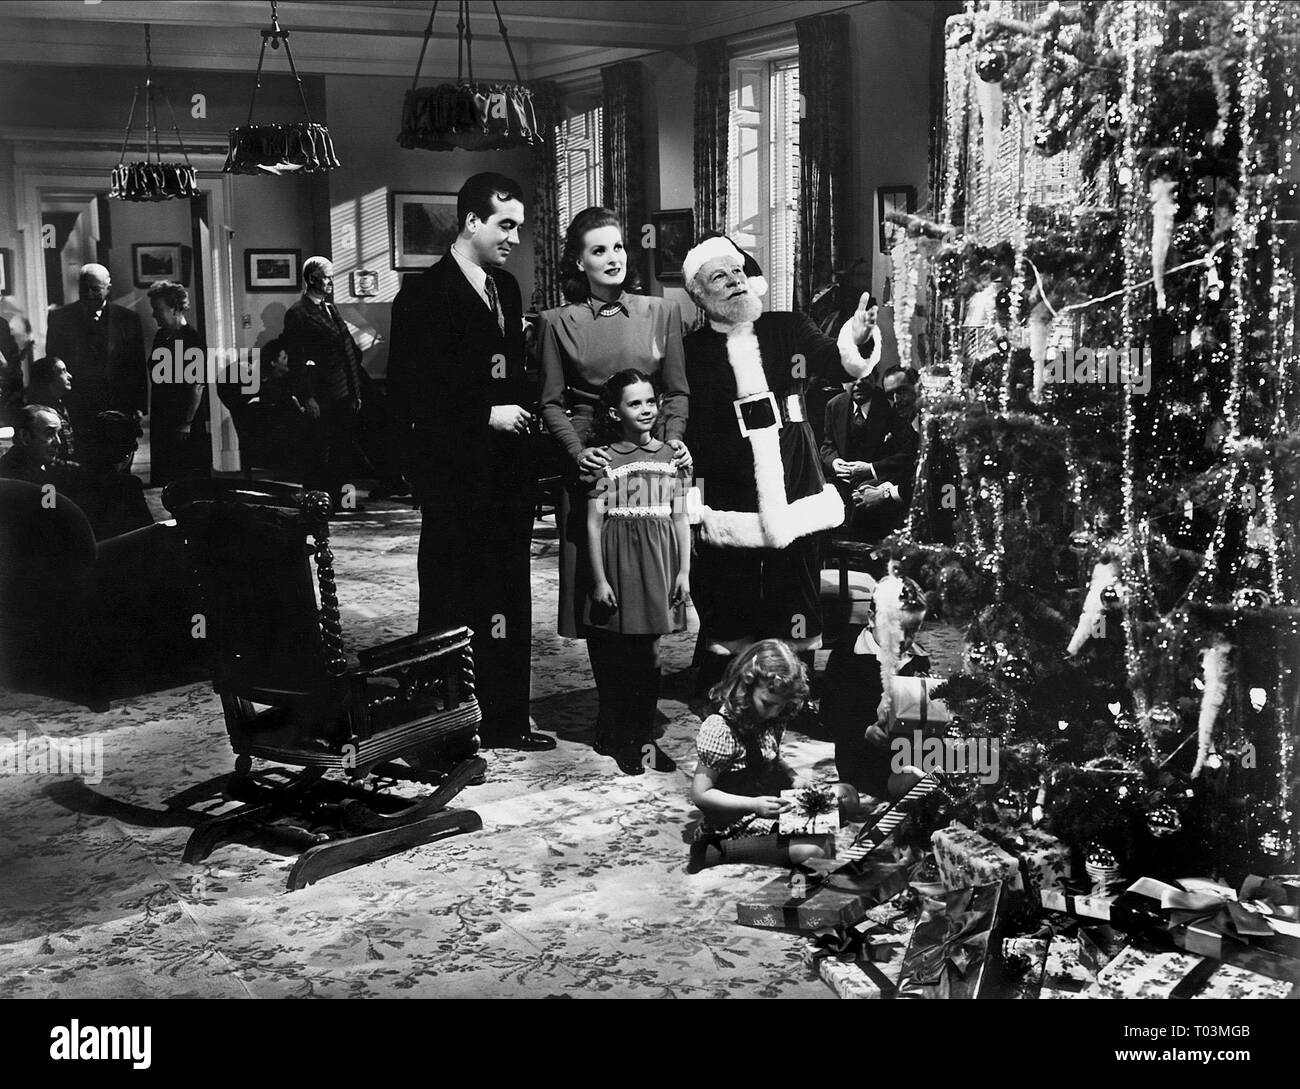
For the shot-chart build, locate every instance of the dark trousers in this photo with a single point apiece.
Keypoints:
(626, 670)
(332, 440)
(474, 569)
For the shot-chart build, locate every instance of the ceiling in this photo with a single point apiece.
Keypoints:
(550, 38)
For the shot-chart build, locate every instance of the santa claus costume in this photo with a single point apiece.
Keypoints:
(757, 568)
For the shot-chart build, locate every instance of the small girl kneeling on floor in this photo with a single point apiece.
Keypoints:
(740, 774)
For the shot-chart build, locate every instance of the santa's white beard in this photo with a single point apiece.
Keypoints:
(734, 311)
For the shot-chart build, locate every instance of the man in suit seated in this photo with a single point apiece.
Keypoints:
(870, 449)
(38, 455)
(103, 345)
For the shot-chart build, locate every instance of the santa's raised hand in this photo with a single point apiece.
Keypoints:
(864, 318)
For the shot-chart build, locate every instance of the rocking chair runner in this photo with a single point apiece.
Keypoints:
(410, 699)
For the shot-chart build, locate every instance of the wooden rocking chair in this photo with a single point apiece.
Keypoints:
(411, 699)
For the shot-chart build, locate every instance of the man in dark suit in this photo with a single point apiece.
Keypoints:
(325, 368)
(456, 368)
(103, 345)
(869, 449)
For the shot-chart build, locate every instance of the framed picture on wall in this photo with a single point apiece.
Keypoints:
(674, 236)
(6, 272)
(153, 262)
(272, 270)
(893, 198)
(423, 227)
(363, 283)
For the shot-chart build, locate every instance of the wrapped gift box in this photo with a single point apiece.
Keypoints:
(819, 901)
(1044, 859)
(1140, 971)
(1024, 962)
(1080, 905)
(864, 960)
(967, 859)
(814, 811)
(1063, 975)
(1098, 946)
(954, 950)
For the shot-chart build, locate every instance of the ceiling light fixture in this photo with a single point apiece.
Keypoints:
(151, 179)
(291, 148)
(468, 115)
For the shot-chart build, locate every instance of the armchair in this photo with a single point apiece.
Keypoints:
(251, 546)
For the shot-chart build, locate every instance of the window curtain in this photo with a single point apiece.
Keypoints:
(623, 149)
(712, 103)
(547, 230)
(825, 208)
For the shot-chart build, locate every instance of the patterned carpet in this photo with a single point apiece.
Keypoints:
(575, 887)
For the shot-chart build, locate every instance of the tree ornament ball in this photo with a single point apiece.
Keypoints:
(1276, 844)
(1002, 299)
(1003, 344)
(991, 65)
(1163, 820)
(1110, 595)
(1164, 718)
(1016, 671)
(1082, 541)
(1250, 597)
(983, 656)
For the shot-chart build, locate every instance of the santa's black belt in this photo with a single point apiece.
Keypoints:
(766, 411)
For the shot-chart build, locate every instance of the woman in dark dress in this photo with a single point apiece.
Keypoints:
(605, 328)
(179, 446)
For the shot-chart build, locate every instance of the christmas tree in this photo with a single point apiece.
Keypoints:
(1102, 302)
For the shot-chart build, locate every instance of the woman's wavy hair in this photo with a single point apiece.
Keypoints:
(611, 395)
(174, 296)
(769, 662)
(574, 285)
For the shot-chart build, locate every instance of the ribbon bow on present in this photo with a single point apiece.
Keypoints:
(854, 945)
(1257, 912)
(949, 944)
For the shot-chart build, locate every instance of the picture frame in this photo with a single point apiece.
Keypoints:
(153, 262)
(893, 198)
(674, 235)
(6, 272)
(363, 283)
(272, 270)
(422, 227)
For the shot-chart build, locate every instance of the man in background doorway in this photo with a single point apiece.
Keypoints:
(103, 345)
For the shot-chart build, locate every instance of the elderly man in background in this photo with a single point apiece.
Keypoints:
(325, 364)
(103, 345)
(757, 570)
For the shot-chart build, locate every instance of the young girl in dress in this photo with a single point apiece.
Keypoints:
(741, 773)
(639, 544)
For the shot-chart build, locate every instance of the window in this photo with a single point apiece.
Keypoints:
(763, 181)
(578, 166)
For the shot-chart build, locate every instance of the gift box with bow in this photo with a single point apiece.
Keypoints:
(955, 947)
(1255, 928)
(814, 811)
(862, 961)
(817, 901)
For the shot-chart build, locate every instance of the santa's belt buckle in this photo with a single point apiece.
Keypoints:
(757, 412)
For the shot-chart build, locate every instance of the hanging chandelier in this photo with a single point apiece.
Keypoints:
(468, 115)
(290, 148)
(152, 179)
